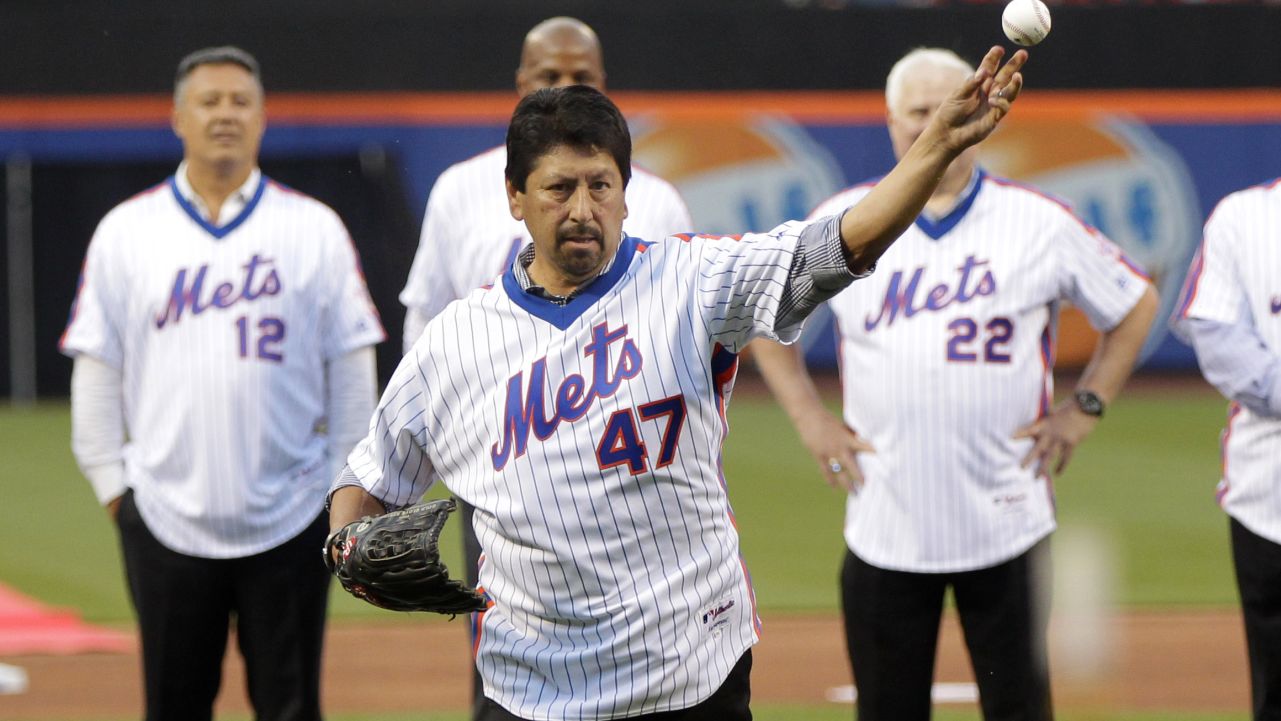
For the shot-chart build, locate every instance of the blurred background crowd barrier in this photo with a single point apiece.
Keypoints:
(1142, 115)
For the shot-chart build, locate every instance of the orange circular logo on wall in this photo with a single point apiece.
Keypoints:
(741, 175)
(1119, 177)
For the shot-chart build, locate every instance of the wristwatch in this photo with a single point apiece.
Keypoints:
(1089, 403)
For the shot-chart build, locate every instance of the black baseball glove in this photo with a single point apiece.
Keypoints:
(393, 561)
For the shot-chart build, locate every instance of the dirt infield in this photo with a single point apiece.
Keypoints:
(1189, 661)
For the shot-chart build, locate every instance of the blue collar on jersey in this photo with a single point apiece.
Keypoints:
(218, 232)
(938, 228)
(562, 316)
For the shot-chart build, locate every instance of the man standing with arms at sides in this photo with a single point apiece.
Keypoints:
(1230, 313)
(578, 405)
(469, 238)
(949, 434)
(224, 367)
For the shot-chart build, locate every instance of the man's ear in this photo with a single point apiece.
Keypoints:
(522, 89)
(514, 198)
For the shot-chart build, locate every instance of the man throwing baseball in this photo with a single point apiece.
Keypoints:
(468, 236)
(578, 405)
(224, 366)
(1230, 312)
(949, 436)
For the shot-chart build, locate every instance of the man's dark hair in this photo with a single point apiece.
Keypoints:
(576, 116)
(224, 55)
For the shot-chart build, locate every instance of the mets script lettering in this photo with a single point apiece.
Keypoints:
(974, 279)
(189, 295)
(573, 398)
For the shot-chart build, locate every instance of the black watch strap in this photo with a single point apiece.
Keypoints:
(1089, 403)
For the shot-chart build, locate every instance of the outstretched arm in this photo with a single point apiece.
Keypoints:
(970, 114)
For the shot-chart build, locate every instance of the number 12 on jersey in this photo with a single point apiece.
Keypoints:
(261, 340)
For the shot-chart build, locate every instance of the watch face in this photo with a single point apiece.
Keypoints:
(1089, 403)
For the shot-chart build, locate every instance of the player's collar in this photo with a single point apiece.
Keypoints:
(938, 227)
(562, 316)
(248, 194)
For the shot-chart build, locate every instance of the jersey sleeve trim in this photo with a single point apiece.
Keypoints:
(71, 315)
(1196, 270)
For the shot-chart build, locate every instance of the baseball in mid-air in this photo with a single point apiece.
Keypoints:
(1026, 22)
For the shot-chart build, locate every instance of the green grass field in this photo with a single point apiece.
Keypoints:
(1143, 482)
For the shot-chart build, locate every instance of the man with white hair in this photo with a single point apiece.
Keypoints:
(949, 434)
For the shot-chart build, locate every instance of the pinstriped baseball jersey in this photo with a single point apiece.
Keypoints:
(1235, 275)
(221, 335)
(588, 437)
(469, 237)
(945, 352)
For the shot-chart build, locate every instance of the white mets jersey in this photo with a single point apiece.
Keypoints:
(221, 335)
(945, 352)
(469, 237)
(588, 437)
(1236, 275)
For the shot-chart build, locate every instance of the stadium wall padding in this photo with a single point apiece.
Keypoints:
(1145, 167)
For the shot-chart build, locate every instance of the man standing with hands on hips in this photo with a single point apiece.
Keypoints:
(578, 405)
(224, 367)
(949, 436)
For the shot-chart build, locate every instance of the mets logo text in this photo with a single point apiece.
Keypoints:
(574, 397)
(974, 279)
(189, 293)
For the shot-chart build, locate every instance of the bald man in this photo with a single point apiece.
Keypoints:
(558, 52)
(469, 237)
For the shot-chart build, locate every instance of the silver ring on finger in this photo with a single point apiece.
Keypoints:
(834, 465)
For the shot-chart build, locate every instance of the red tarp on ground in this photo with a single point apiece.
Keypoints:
(28, 627)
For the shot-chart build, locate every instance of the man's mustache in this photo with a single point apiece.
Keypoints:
(579, 232)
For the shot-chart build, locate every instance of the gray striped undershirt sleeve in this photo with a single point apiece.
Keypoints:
(819, 271)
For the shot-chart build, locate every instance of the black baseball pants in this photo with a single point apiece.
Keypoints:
(729, 703)
(892, 627)
(185, 604)
(1258, 570)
